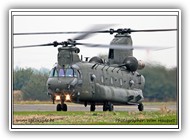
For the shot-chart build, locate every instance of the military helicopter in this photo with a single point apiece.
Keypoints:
(97, 81)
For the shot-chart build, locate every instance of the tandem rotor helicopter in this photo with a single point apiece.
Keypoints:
(97, 82)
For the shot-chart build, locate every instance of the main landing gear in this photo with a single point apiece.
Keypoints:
(92, 107)
(107, 106)
(61, 107)
(140, 107)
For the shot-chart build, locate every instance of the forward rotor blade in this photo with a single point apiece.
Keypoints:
(55, 44)
(28, 46)
(46, 33)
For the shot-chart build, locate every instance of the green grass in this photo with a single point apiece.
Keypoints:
(95, 118)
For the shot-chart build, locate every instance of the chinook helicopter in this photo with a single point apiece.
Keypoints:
(96, 81)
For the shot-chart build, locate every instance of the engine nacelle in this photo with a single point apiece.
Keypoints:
(133, 64)
(96, 59)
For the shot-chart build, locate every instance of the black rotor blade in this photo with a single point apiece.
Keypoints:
(113, 46)
(92, 30)
(46, 33)
(55, 44)
(152, 30)
(96, 29)
(28, 46)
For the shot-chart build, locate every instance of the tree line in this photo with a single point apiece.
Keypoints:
(160, 83)
(31, 82)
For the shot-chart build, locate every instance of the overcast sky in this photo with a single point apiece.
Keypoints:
(38, 57)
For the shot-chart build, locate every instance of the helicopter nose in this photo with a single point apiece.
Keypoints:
(62, 84)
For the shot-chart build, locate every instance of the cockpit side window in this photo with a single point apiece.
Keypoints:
(53, 73)
(76, 73)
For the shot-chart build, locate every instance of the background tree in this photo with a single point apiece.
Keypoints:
(31, 82)
(160, 83)
(20, 77)
(35, 89)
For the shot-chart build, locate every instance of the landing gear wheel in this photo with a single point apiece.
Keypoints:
(110, 107)
(141, 107)
(104, 107)
(92, 107)
(64, 107)
(58, 107)
(107, 106)
(61, 107)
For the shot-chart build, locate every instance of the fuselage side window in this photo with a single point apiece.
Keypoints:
(121, 82)
(111, 80)
(102, 79)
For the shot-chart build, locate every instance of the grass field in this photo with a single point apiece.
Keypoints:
(164, 116)
(96, 118)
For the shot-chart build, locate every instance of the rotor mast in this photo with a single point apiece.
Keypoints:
(67, 55)
(116, 56)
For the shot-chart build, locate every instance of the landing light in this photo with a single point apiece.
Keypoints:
(67, 97)
(57, 98)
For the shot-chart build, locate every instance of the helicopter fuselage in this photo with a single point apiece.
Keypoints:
(102, 83)
(97, 83)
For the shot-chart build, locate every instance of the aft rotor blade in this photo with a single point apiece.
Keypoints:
(153, 30)
(92, 30)
(96, 29)
(124, 47)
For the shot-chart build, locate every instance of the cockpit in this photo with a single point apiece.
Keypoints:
(64, 72)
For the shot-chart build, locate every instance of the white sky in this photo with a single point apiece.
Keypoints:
(38, 57)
